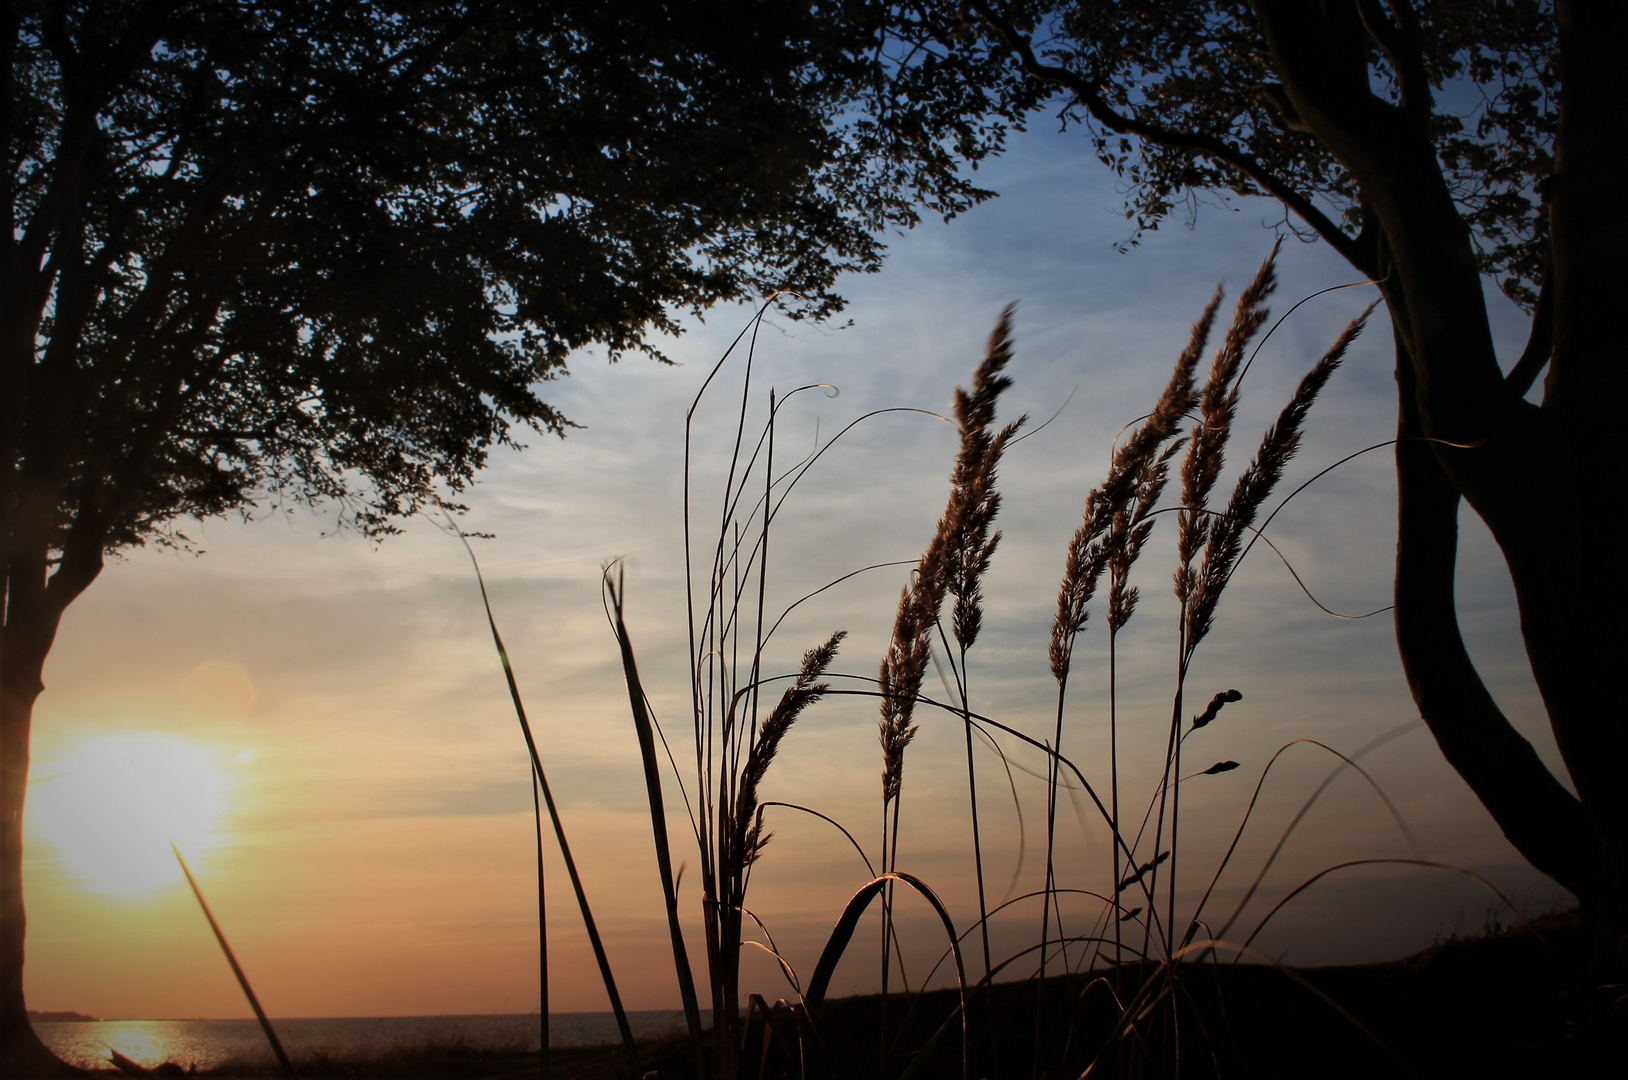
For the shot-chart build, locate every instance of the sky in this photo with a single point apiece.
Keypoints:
(321, 725)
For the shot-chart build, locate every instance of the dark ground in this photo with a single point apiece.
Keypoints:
(1517, 1004)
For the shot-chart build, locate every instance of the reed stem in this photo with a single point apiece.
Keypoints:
(542, 929)
(630, 1048)
(237, 969)
(658, 826)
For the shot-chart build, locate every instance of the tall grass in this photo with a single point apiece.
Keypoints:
(1141, 942)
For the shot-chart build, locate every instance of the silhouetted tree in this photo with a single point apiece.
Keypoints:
(310, 251)
(1431, 143)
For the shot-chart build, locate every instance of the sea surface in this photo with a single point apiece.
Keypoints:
(206, 1043)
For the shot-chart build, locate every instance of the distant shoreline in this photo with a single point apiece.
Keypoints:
(210, 1044)
(67, 1017)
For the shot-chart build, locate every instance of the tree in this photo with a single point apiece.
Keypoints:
(1430, 143)
(309, 252)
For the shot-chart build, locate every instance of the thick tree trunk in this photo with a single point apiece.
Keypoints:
(21, 1052)
(35, 596)
(1573, 600)
(1543, 820)
(1547, 480)
(1569, 584)
(1534, 475)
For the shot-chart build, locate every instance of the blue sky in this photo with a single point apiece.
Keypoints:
(372, 853)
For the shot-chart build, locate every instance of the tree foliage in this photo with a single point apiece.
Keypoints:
(307, 251)
(1181, 100)
(328, 250)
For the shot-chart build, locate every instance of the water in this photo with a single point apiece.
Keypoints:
(207, 1043)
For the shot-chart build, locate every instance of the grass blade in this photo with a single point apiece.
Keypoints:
(237, 969)
(658, 820)
(843, 933)
(554, 817)
(542, 930)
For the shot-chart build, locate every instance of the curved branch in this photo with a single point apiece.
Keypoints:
(1540, 342)
(1400, 42)
(1208, 145)
(1543, 820)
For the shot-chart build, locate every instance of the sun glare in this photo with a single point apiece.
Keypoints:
(108, 807)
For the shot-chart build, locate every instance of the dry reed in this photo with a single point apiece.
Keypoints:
(750, 839)
(1255, 485)
(957, 556)
(1088, 555)
(1112, 530)
(954, 563)
(540, 784)
(1217, 405)
(734, 752)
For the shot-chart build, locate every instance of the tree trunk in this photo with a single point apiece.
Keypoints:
(1580, 631)
(35, 597)
(21, 1052)
(1543, 820)
(1546, 480)
(1534, 475)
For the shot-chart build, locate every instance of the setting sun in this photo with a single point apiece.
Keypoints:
(109, 807)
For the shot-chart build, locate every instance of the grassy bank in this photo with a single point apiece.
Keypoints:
(1507, 1004)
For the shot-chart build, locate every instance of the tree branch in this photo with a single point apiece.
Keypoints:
(1401, 46)
(1540, 342)
(81, 563)
(1322, 55)
(1207, 145)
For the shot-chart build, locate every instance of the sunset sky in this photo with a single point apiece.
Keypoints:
(321, 725)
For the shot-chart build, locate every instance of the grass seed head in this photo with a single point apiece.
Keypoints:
(1255, 485)
(956, 558)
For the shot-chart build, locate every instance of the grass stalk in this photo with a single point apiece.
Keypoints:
(1113, 794)
(977, 854)
(842, 933)
(972, 803)
(736, 736)
(956, 558)
(629, 1047)
(658, 820)
(542, 929)
(734, 739)
(283, 1063)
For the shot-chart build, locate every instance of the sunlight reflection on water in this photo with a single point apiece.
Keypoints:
(207, 1043)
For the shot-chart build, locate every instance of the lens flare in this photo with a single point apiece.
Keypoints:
(108, 807)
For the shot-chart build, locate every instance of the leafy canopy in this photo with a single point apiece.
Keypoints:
(315, 250)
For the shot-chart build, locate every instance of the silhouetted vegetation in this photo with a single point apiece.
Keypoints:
(328, 254)
(1148, 984)
(1432, 144)
(261, 255)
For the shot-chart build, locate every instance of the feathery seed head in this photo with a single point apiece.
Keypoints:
(750, 840)
(1214, 707)
(1090, 551)
(956, 558)
(1218, 405)
(1278, 446)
